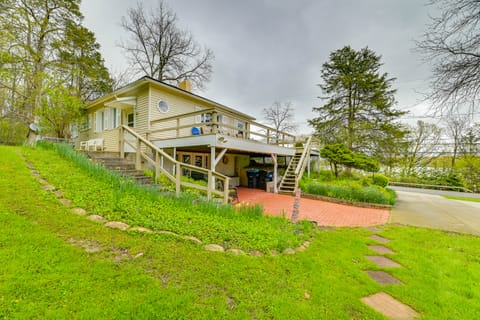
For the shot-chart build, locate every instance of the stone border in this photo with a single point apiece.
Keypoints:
(347, 202)
(125, 227)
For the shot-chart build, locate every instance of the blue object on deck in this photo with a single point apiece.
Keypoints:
(195, 131)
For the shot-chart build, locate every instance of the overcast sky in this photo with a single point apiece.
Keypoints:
(273, 50)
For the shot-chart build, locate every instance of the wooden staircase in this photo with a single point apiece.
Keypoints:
(123, 167)
(295, 169)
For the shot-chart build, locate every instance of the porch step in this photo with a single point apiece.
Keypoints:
(125, 168)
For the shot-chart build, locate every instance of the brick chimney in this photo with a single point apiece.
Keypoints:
(185, 85)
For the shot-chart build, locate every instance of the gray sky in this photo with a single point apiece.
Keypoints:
(273, 50)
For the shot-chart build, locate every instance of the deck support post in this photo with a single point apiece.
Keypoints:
(275, 172)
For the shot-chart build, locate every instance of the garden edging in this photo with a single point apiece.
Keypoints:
(347, 202)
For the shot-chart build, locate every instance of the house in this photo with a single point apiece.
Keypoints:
(179, 133)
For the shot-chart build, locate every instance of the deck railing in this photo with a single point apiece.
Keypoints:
(179, 126)
(302, 163)
(217, 184)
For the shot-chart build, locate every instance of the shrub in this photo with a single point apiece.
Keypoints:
(380, 180)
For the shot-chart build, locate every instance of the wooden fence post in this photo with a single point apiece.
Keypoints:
(178, 176)
(138, 155)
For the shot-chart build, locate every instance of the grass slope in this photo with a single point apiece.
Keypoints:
(46, 274)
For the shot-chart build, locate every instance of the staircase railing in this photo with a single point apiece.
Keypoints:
(217, 184)
(302, 163)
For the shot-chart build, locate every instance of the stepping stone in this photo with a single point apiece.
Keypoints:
(383, 262)
(273, 252)
(383, 278)
(97, 218)
(141, 229)
(65, 202)
(191, 238)
(306, 244)
(117, 225)
(79, 211)
(380, 239)
(48, 187)
(288, 251)
(236, 252)
(373, 229)
(390, 307)
(214, 247)
(167, 232)
(381, 249)
(42, 181)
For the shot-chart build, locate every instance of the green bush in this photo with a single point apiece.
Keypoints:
(380, 180)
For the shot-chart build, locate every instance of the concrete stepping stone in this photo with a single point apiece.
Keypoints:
(43, 181)
(96, 218)
(300, 248)
(48, 187)
(58, 193)
(383, 262)
(390, 307)
(256, 253)
(79, 211)
(381, 249)
(379, 239)
(117, 225)
(383, 278)
(214, 247)
(192, 238)
(65, 202)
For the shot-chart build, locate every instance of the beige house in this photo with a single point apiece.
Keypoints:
(158, 125)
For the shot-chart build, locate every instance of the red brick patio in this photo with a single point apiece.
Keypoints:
(324, 213)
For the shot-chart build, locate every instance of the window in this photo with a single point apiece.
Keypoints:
(99, 121)
(130, 120)
(108, 118)
(85, 122)
(162, 106)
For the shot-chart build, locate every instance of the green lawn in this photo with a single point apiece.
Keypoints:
(45, 272)
(463, 198)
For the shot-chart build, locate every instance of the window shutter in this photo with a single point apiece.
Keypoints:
(98, 121)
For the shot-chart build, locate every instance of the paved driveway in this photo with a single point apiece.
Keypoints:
(435, 211)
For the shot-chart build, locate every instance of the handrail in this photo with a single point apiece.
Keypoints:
(271, 134)
(158, 163)
(302, 162)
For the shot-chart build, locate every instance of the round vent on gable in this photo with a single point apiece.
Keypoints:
(162, 106)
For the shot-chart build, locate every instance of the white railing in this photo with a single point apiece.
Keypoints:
(302, 163)
(217, 184)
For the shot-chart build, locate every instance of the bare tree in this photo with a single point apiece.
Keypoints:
(422, 147)
(456, 124)
(159, 49)
(452, 44)
(280, 116)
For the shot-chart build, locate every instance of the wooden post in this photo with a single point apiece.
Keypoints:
(122, 142)
(211, 185)
(212, 168)
(157, 166)
(214, 122)
(268, 136)
(275, 173)
(226, 189)
(178, 176)
(138, 156)
(175, 158)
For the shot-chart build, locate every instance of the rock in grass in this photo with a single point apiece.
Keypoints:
(288, 251)
(141, 229)
(97, 218)
(48, 187)
(214, 247)
(168, 232)
(300, 248)
(79, 211)
(236, 252)
(256, 253)
(65, 202)
(117, 225)
(193, 239)
(273, 252)
(58, 193)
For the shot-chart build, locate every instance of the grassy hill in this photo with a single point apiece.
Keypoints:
(56, 264)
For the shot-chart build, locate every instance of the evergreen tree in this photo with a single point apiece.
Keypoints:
(360, 101)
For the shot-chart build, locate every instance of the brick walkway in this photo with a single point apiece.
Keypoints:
(324, 213)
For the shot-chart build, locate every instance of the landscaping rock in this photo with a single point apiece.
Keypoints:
(191, 238)
(58, 193)
(141, 229)
(288, 251)
(79, 211)
(300, 248)
(97, 218)
(236, 252)
(256, 253)
(214, 247)
(65, 202)
(273, 252)
(117, 225)
(168, 232)
(306, 244)
(43, 181)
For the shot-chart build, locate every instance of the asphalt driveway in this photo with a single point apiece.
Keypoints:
(434, 211)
